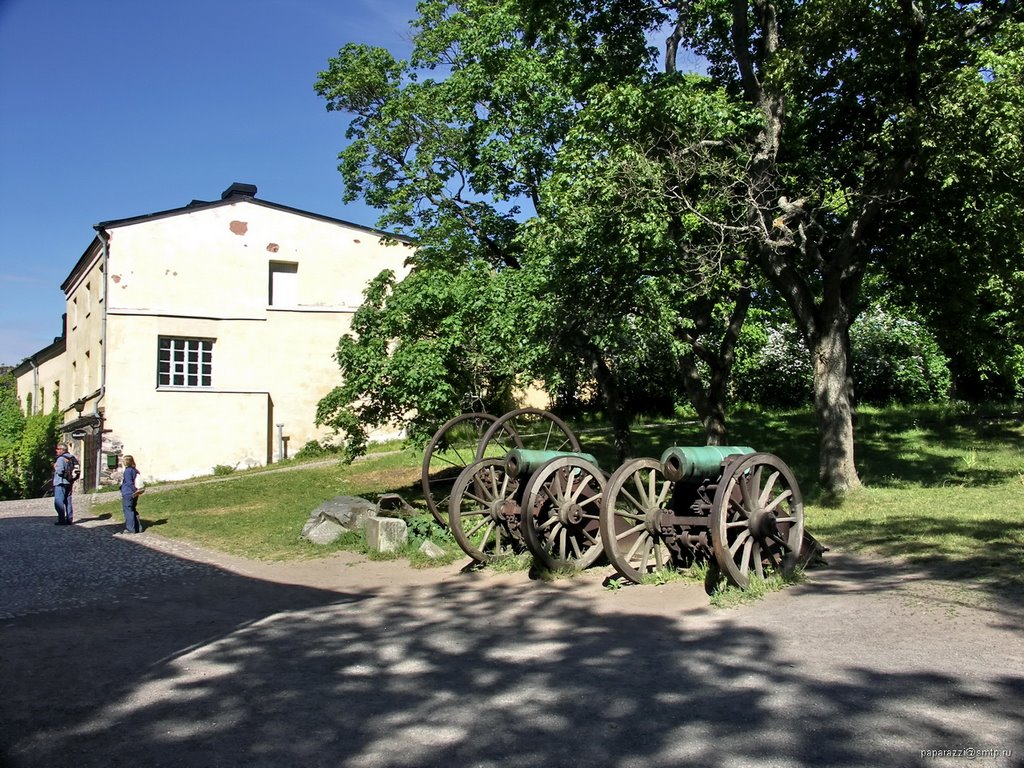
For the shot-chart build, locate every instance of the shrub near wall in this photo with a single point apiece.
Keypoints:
(27, 465)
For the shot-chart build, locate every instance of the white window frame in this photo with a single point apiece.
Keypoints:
(283, 289)
(184, 363)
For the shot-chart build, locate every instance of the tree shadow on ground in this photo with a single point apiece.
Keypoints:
(147, 659)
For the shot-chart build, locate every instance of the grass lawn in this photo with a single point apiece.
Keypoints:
(260, 513)
(944, 487)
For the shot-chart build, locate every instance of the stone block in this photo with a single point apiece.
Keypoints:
(324, 532)
(431, 550)
(386, 534)
(350, 512)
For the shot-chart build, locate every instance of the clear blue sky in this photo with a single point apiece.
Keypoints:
(116, 108)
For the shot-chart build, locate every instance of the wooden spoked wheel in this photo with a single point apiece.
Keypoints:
(483, 512)
(757, 518)
(451, 449)
(530, 428)
(634, 501)
(561, 516)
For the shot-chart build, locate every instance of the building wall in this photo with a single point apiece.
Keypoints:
(83, 357)
(207, 275)
(215, 262)
(39, 383)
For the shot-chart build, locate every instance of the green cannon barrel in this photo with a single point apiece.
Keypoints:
(696, 462)
(522, 461)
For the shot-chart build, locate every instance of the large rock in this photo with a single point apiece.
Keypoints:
(336, 517)
(386, 534)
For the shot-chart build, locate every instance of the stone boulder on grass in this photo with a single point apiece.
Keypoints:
(336, 517)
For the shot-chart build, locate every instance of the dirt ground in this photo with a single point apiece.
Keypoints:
(138, 650)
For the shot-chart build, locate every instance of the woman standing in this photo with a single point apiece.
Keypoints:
(132, 487)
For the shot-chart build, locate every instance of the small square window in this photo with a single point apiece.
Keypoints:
(184, 362)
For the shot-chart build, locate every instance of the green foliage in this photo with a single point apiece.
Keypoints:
(958, 256)
(727, 596)
(26, 464)
(540, 138)
(8, 475)
(422, 350)
(425, 528)
(895, 360)
(314, 449)
(522, 118)
(613, 232)
(773, 364)
(12, 420)
(511, 563)
(656, 578)
(219, 470)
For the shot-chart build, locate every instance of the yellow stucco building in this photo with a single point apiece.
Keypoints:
(204, 335)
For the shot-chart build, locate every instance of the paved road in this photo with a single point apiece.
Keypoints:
(132, 651)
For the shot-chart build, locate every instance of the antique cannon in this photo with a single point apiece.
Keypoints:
(528, 459)
(737, 509)
(472, 436)
(520, 482)
(546, 501)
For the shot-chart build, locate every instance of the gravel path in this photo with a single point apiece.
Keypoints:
(123, 650)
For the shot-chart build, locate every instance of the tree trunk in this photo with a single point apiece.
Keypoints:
(833, 404)
(708, 402)
(619, 416)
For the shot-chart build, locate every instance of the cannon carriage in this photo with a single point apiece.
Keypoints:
(739, 510)
(526, 485)
(471, 437)
(547, 502)
(527, 460)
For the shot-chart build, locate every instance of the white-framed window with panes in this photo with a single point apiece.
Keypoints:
(184, 362)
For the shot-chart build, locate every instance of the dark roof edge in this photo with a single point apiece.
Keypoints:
(84, 259)
(48, 352)
(202, 206)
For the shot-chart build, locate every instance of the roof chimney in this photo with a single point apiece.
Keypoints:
(239, 190)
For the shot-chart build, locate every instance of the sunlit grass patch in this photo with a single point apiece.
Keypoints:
(944, 487)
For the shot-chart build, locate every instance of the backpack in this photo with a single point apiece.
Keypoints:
(72, 468)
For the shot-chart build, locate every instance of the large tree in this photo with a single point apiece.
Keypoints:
(846, 98)
(967, 217)
(459, 147)
(612, 234)
(847, 93)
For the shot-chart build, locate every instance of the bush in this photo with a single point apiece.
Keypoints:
(12, 420)
(897, 360)
(313, 450)
(26, 465)
(773, 365)
(223, 469)
(425, 528)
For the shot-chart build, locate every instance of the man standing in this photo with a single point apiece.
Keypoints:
(63, 480)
